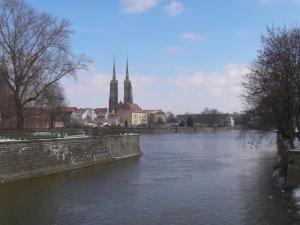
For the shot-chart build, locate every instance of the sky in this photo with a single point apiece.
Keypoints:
(184, 55)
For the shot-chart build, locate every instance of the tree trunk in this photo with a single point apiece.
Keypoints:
(283, 151)
(20, 115)
(52, 120)
(20, 119)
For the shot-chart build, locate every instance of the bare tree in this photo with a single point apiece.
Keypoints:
(53, 100)
(35, 51)
(272, 89)
(272, 86)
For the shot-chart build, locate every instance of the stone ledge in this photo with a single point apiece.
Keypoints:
(28, 159)
(59, 169)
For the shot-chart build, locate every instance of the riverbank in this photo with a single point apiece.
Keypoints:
(24, 159)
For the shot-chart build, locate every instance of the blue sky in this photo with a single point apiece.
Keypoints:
(184, 55)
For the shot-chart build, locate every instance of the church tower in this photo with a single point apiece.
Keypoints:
(113, 94)
(127, 87)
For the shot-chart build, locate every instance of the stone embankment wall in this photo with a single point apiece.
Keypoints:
(27, 159)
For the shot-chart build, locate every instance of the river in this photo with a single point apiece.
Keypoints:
(182, 179)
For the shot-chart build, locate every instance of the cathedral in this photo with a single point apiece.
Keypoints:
(114, 105)
(128, 112)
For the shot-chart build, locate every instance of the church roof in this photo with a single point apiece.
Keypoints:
(132, 107)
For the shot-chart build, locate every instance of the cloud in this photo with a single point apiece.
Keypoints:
(194, 80)
(89, 83)
(174, 8)
(227, 81)
(191, 36)
(141, 81)
(236, 71)
(138, 6)
(194, 92)
(173, 49)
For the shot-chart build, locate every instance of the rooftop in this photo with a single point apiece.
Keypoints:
(130, 107)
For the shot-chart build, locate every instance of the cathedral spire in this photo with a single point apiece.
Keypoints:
(113, 92)
(127, 71)
(114, 69)
(127, 87)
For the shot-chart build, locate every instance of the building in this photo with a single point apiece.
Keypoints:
(127, 112)
(87, 115)
(156, 116)
(132, 115)
(65, 117)
(34, 117)
(102, 115)
(113, 119)
(231, 122)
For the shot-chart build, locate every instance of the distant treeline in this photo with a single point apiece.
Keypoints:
(212, 120)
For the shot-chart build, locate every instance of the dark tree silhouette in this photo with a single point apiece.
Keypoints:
(171, 118)
(160, 121)
(53, 99)
(272, 86)
(189, 122)
(272, 89)
(34, 51)
(182, 123)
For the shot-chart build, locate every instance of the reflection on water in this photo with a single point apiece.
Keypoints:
(209, 179)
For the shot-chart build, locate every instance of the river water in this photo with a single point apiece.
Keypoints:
(185, 179)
